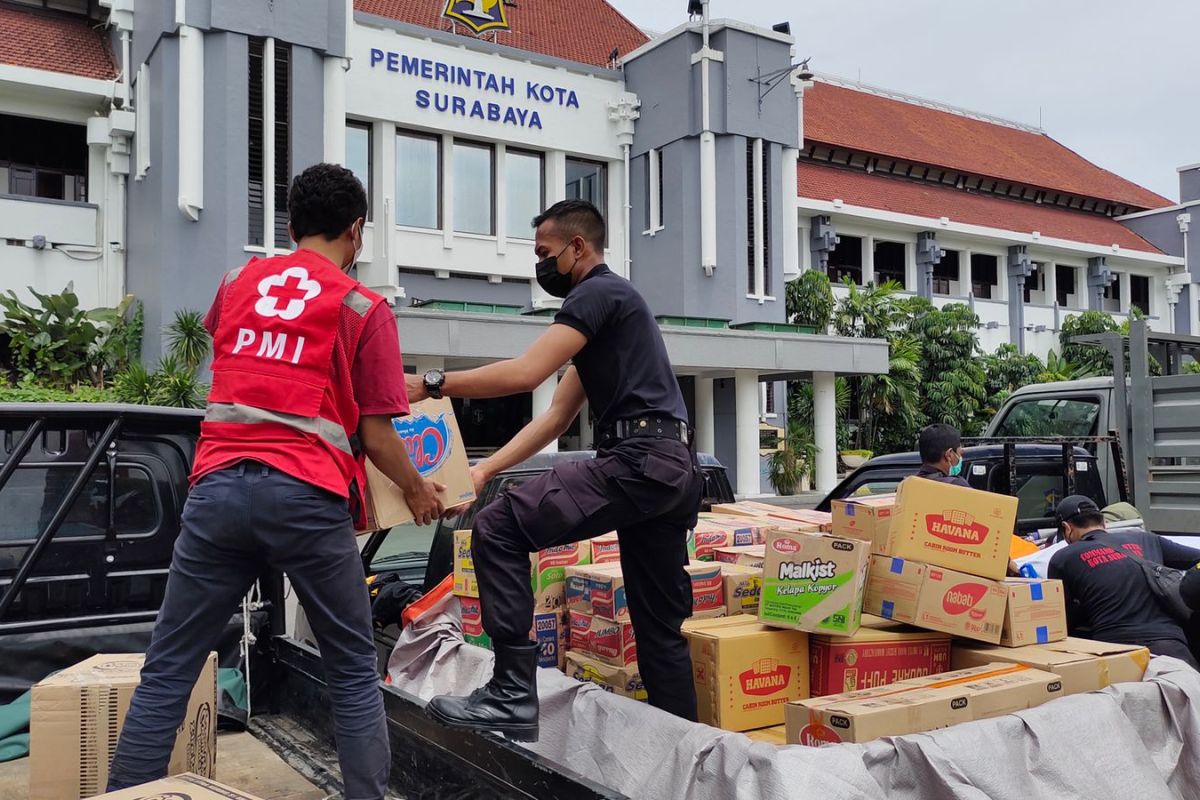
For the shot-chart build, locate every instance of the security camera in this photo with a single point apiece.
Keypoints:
(118, 102)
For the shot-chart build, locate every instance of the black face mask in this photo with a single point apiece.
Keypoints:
(553, 282)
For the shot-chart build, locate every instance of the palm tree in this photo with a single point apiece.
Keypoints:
(892, 400)
(868, 312)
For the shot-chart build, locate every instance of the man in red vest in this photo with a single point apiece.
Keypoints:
(306, 364)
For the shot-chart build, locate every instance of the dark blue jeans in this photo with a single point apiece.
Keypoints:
(238, 522)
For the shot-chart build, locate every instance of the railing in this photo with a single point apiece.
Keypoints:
(60, 222)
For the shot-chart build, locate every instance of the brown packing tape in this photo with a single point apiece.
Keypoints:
(837, 599)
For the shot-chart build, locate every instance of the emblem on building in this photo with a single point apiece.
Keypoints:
(478, 15)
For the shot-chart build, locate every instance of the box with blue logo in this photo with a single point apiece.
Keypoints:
(893, 588)
(430, 433)
(1036, 614)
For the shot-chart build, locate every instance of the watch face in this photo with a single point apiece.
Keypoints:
(434, 377)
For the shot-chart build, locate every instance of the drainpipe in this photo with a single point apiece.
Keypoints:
(708, 156)
(628, 208)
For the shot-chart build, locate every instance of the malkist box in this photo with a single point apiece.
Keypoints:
(953, 527)
(603, 639)
(814, 582)
(430, 433)
(893, 588)
(961, 604)
(1083, 664)
(750, 556)
(743, 588)
(879, 654)
(605, 549)
(180, 787)
(597, 589)
(548, 570)
(625, 681)
(746, 673)
(472, 622)
(921, 704)
(464, 566)
(868, 518)
(1037, 612)
(76, 717)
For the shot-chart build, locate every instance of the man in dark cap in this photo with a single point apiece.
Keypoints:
(1108, 597)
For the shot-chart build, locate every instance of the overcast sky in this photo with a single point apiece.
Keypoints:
(1116, 81)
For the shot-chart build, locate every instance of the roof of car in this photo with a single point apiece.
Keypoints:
(1058, 388)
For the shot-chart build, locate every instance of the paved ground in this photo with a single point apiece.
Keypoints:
(243, 762)
(799, 500)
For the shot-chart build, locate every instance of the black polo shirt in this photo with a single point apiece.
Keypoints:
(1107, 591)
(935, 474)
(624, 366)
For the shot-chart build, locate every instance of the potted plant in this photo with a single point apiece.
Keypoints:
(795, 460)
(854, 459)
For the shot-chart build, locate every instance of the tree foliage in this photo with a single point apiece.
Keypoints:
(1086, 359)
(952, 373)
(1006, 371)
(810, 301)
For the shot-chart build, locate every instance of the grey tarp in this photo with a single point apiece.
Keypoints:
(1134, 740)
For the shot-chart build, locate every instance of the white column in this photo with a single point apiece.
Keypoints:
(706, 441)
(708, 204)
(335, 109)
(747, 398)
(447, 191)
(825, 433)
(868, 260)
(190, 137)
(1126, 289)
(965, 275)
(792, 242)
(500, 199)
(587, 435)
(543, 395)
(911, 278)
(1051, 282)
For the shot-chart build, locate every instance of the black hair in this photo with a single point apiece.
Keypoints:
(576, 218)
(1087, 521)
(935, 440)
(324, 200)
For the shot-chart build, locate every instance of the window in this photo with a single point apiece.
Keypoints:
(983, 275)
(141, 100)
(358, 157)
(34, 492)
(845, 262)
(890, 258)
(758, 215)
(588, 180)
(258, 171)
(1112, 295)
(524, 190)
(418, 180)
(254, 164)
(654, 190)
(1139, 293)
(1036, 282)
(1051, 417)
(765, 205)
(946, 274)
(39, 158)
(768, 404)
(282, 169)
(473, 188)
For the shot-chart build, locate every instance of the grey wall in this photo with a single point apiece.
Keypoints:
(427, 287)
(1160, 230)
(747, 57)
(1189, 185)
(151, 19)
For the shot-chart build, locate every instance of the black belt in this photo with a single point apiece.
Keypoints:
(654, 426)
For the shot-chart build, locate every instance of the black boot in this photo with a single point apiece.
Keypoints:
(507, 704)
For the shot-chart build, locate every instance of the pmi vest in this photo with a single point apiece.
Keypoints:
(273, 390)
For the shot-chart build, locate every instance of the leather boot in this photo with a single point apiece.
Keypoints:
(507, 704)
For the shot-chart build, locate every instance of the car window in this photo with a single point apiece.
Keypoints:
(34, 492)
(1075, 416)
(1041, 486)
(874, 482)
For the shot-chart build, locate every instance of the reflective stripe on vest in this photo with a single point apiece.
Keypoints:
(331, 432)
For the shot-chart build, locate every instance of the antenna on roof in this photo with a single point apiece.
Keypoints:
(1040, 118)
(613, 56)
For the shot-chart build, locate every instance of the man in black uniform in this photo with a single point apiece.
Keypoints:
(1108, 598)
(941, 454)
(643, 483)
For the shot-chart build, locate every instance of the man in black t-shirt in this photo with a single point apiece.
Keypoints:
(1108, 598)
(941, 454)
(643, 483)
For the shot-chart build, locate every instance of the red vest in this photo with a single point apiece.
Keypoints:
(274, 397)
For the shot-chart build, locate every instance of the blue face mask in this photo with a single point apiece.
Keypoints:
(957, 469)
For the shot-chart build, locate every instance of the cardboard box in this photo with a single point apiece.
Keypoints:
(430, 432)
(868, 518)
(920, 705)
(180, 787)
(76, 717)
(1037, 612)
(472, 622)
(814, 582)
(625, 681)
(606, 548)
(751, 556)
(746, 673)
(1083, 664)
(597, 589)
(708, 587)
(950, 526)
(708, 538)
(743, 588)
(893, 588)
(712, 532)
(961, 604)
(778, 515)
(711, 613)
(548, 571)
(551, 634)
(879, 654)
(464, 566)
(603, 639)
(746, 530)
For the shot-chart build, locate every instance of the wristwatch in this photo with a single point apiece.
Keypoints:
(433, 383)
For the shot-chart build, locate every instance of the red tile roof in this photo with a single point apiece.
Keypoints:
(54, 42)
(585, 31)
(855, 188)
(860, 120)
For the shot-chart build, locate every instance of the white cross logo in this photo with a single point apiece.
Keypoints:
(284, 295)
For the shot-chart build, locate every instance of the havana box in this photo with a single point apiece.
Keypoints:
(813, 582)
(893, 588)
(1037, 612)
(868, 518)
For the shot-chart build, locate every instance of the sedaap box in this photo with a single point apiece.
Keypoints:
(605, 549)
(743, 588)
(430, 433)
(813, 582)
(961, 604)
(879, 654)
(893, 588)
(625, 681)
(603, 639)
(1037, 612)
(179, 787)
(76, 717)
(1083, 664)
(548, 570)
(746, 673)
(868, 518)
(950, 526)
(750, 556)
(464, 566)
